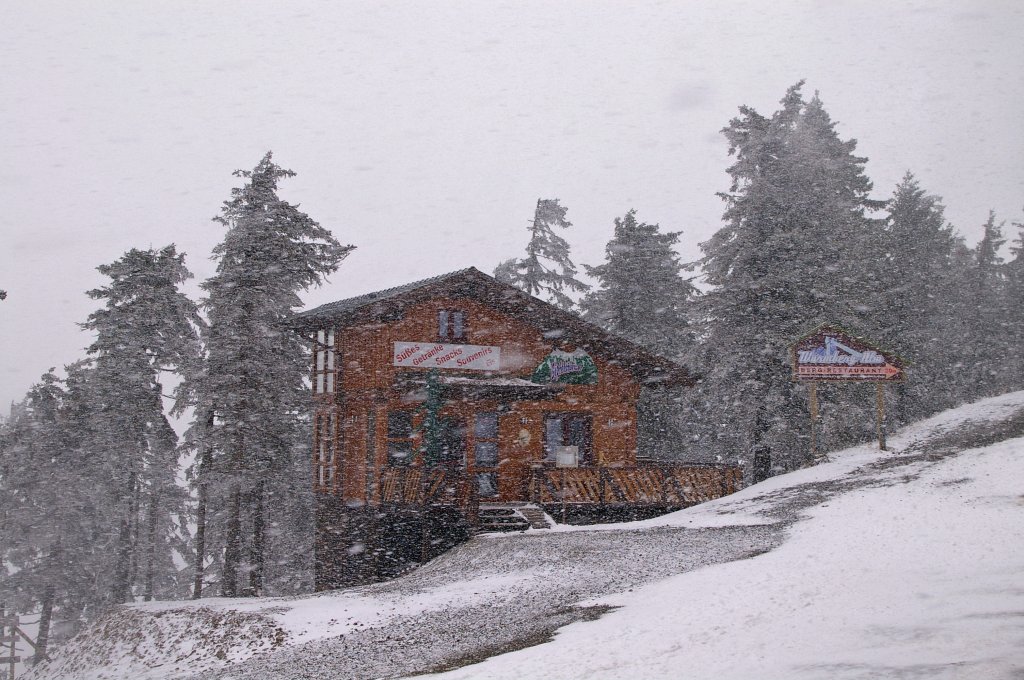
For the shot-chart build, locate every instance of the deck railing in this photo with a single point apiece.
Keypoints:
(657, 484)
(416, 486)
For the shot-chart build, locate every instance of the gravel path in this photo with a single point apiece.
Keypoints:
(566, 568)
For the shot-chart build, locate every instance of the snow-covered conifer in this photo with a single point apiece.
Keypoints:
(547, 272)
(641, 293)
(251, 398)
(797, 233)
(146, 327)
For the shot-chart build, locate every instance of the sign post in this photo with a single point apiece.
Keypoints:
(831, 353)
(812, 389)
(880, 413)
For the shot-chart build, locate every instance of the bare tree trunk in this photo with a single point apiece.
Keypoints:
(233, 544)
(151, 512)
(45, 616)
(205, 462)
(256, 556)
(134, 529)
(121, 589)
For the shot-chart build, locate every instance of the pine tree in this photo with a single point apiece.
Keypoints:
(251, 397)
(1014, 305)
(641, 294)
(54, 519)
(546, 272)
(146, 327)
(919, 285)
(991, 340)
(791, 254)
(643, 297)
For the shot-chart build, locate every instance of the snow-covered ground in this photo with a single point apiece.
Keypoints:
(899, 564)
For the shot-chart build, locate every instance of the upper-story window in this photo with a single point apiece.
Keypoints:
(451, 324)
(323, 362)
(324, 435)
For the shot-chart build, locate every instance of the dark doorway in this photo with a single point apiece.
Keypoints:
(485, 454)
(452, 433)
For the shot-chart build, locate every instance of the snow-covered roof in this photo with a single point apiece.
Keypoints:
(332, 309)
(552, 322)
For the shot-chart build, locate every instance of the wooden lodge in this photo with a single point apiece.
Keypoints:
(446, 403)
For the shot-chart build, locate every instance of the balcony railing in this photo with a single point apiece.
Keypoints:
(410, 486)
(661, 484)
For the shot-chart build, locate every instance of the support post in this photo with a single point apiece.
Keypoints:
(880, 414)
(813, 390)
(562, 494)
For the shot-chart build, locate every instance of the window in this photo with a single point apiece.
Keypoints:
(485, 453)
(400, 441)
(325, 449)
(451, 325)
(323, 362)
(569, 429)
(486, 440)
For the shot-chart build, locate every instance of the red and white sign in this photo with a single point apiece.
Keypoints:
(830, 353)
(835, 372)
(440, 355)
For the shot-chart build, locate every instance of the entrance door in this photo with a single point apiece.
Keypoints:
(453, 442)
(485, 453)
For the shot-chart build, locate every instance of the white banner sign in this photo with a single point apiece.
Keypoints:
(438, 355)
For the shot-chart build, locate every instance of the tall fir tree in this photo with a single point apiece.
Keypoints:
(1014, 305)
(251, 398)
(992, 341)
(146, 328)
(643, 296)
(641, 292)
(793, 252)
(919, 284)
(547, 272)
(55, 520)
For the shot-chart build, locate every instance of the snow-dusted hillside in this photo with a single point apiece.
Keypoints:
(899, 564)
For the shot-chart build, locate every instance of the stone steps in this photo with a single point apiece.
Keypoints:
(502, 518)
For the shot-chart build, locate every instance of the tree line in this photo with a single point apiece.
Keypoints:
(802, 242)
(101, 504)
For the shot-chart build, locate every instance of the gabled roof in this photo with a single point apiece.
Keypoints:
(335, 310)
(554, 323)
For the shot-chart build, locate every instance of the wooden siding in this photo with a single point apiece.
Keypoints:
(369, 387)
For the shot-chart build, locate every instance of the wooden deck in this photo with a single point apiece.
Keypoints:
(654, 485)
(662, 485)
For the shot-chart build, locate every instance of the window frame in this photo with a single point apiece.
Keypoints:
(409, 439)
(452, 325)
(585, 456)
(324, 375)
(325, 450)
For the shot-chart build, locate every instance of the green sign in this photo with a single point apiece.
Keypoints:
(570, 368)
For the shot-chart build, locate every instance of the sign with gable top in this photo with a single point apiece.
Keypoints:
(568, 368)
(831, 353)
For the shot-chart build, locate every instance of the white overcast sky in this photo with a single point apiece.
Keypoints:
(424, 132)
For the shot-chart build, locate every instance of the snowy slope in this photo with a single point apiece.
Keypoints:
(920, 574)
(902, 564)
